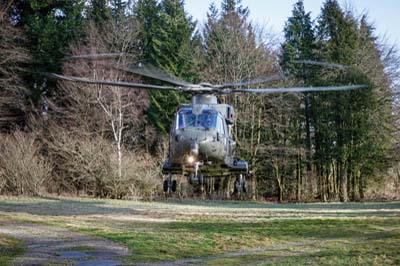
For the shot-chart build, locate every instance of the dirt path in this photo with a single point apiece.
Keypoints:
(47, 245)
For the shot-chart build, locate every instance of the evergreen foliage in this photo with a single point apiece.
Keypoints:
(167, 42)
(49, 26)
(98, 11)
(340, 126)
(118, 8)
(299, 41)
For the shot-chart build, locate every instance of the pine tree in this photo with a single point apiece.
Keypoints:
(234, 8)
(299, 45)
(176, 35)
(118, 8)
(167, 43)
(299, 42)
(341, 127)
(147, 13)
(346, 122)
(225, 33)
(99, 11)
(49, 27)
(337, 43)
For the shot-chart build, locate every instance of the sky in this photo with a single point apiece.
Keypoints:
(385, 14)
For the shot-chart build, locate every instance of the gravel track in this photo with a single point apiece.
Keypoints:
(45, 245)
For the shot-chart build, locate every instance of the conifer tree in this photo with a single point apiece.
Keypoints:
(167, 42)
(99, 11)
(346, 122)
(337, 43)
(299, 41)
(49, 27)
(299, 45)
(118, 8)
(147, 13)
(341, 127)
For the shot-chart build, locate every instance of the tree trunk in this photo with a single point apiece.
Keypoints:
(343, 184)
(361, 186)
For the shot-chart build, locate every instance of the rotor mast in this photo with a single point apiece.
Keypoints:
(204, 99)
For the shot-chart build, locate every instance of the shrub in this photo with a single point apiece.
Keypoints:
(142, 174)
(89, 165)
(22, 168)
(82, 163)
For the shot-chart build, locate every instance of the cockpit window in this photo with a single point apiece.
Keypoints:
(207, 119)
(186, 119)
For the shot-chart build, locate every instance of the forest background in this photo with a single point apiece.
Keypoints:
(65, 138)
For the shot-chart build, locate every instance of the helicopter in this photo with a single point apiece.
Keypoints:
(201, 143)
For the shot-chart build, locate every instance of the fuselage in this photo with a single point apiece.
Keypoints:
(200, 139)
(190, 144)
(200, 134)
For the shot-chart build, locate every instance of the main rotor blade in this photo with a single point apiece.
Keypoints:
(154, 73)
(298, 89)
(323, 64)
(111, 83)
(97, 56)
(250, 82)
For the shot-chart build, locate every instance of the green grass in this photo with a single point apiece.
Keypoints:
(9, 248)
(150, 242)
(333, 234)
(374, 252)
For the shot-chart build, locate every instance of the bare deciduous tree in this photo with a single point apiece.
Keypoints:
(23, 169)
(96, 112)
(12, 56)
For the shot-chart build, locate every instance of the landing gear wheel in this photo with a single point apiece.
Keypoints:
(165, 186)
(201, 179)
(236, 187)
(173, 186)
(244, 187)
(216, 184)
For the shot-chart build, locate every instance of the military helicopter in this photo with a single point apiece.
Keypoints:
(201, 144)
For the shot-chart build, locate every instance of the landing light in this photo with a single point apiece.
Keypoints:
(190, 159)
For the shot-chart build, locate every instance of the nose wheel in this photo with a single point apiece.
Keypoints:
(193, 178)
(239, 185)
(196, 176)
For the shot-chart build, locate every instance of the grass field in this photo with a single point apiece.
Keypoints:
(223, 233)
(9, 248)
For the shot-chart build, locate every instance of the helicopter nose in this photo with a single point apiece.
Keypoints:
(194, 149)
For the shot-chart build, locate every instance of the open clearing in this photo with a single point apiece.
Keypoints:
(85, 232)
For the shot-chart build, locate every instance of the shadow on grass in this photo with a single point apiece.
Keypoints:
(294, 206)
(63, 207)
(68, 207)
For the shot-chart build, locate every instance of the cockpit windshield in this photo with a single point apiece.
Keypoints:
(207, 119)
(186, 119)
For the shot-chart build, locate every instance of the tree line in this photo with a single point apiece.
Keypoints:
(109, 142)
